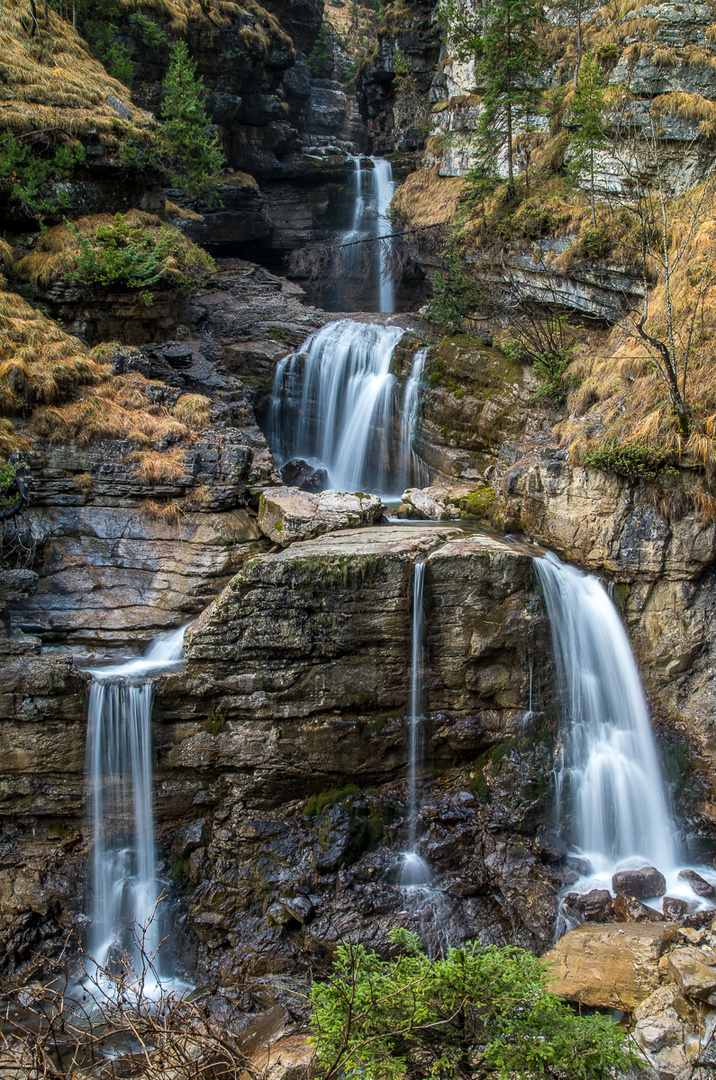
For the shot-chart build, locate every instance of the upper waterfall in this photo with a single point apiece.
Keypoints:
(336, 404)
(608, 779)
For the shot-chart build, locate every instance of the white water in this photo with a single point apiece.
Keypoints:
(609, 784)
(415, 870)
(336, 404)
(365, 248)
(119, 777)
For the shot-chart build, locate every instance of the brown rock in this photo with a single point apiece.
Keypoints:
(289, 514)
(613, 966)
(629, 909)
(700, 886)
(692, 970)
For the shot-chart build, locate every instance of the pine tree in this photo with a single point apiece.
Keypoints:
(588, 134)
(507, 54)
(186, 135)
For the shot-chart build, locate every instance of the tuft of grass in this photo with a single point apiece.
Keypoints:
(426, 198)
(167, 512)
(155, 469)
(194, 410)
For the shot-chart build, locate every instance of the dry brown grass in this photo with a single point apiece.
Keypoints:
(215, 19)
(620, 397)
(156, 469)
(51, 84)
(39, 362)
(193, 410)
(171, 210)
(168, 512)
(426, 198)
(692, 107)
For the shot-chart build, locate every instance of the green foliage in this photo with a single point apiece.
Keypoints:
(636, 461)
(481, 504)
(588, 134)
(138, 258)
(117, 60)
(187, 137)
(321, 55)
(147, 32)
(477, 1011)
(508, 57)
(180, 868)
(455, 294)
(30, 179)
(214, 723)
(7, 475)
(316, 804)
(550, 369)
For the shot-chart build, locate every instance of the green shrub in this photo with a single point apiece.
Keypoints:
(636, 461)
(147, 32)
(479, 1011)
(138, 258)
(316, 804)
(29, 178)
(550, 369)
(8, 494)
(117, 60)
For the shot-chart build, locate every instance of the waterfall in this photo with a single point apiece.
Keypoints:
(335, 403)
(119, 780)
(609, 780)
(362, 271)
(415, 870)
(384, 189)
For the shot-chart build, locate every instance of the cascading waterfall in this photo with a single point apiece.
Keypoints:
(384, 190)
(415, 870)
(119, 777)
(609, 782)
(336, 404)
(365, 248)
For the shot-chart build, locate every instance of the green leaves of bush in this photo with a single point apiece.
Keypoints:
(138, 258)
(30, 178)
(477, 1011)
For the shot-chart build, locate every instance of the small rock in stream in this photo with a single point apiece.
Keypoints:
(700, 886)
(549, 847)
(629, 909)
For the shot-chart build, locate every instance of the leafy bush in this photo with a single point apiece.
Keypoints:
(316, 804)
(8, 493)
(147, 32)
(30, 179)
(480, 1010)
(117, 60)
(636, 461)
(122, 253)
(320, 58)
(455, 294)
(550, 369)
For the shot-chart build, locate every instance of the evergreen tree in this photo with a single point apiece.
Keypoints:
(186, 135)
(508, 56)
(588, 133)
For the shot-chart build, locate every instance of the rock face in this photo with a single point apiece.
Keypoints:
(614, 966)
(287, 515)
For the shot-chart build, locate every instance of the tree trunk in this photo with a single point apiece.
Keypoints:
(579, 43)
(35, 24)
(591, 182)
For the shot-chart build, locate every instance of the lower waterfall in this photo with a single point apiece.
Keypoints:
(609, 784)
(336, 404)
(119, 779)
(415, 870)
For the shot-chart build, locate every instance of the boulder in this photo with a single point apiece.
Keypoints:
(694, 970)
(700, 886)
(643, 883)
(629, 909)
(422, 505)
(594, 906)
(612, 966)
(549, 847)
(287, 514)
(673, 908)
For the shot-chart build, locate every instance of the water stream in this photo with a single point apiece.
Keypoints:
(415, 870)
(336, 404)
(119, 780)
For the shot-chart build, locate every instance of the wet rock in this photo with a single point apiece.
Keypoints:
(595, 906)
(613, 966)
(629, 909)
(694, 971)
(287, 514)
(673, 908)
(644, 883)
(700, 886)
(193, 836)
(664, 1023)
(549, 847)
(316, 481)
(298, 473)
